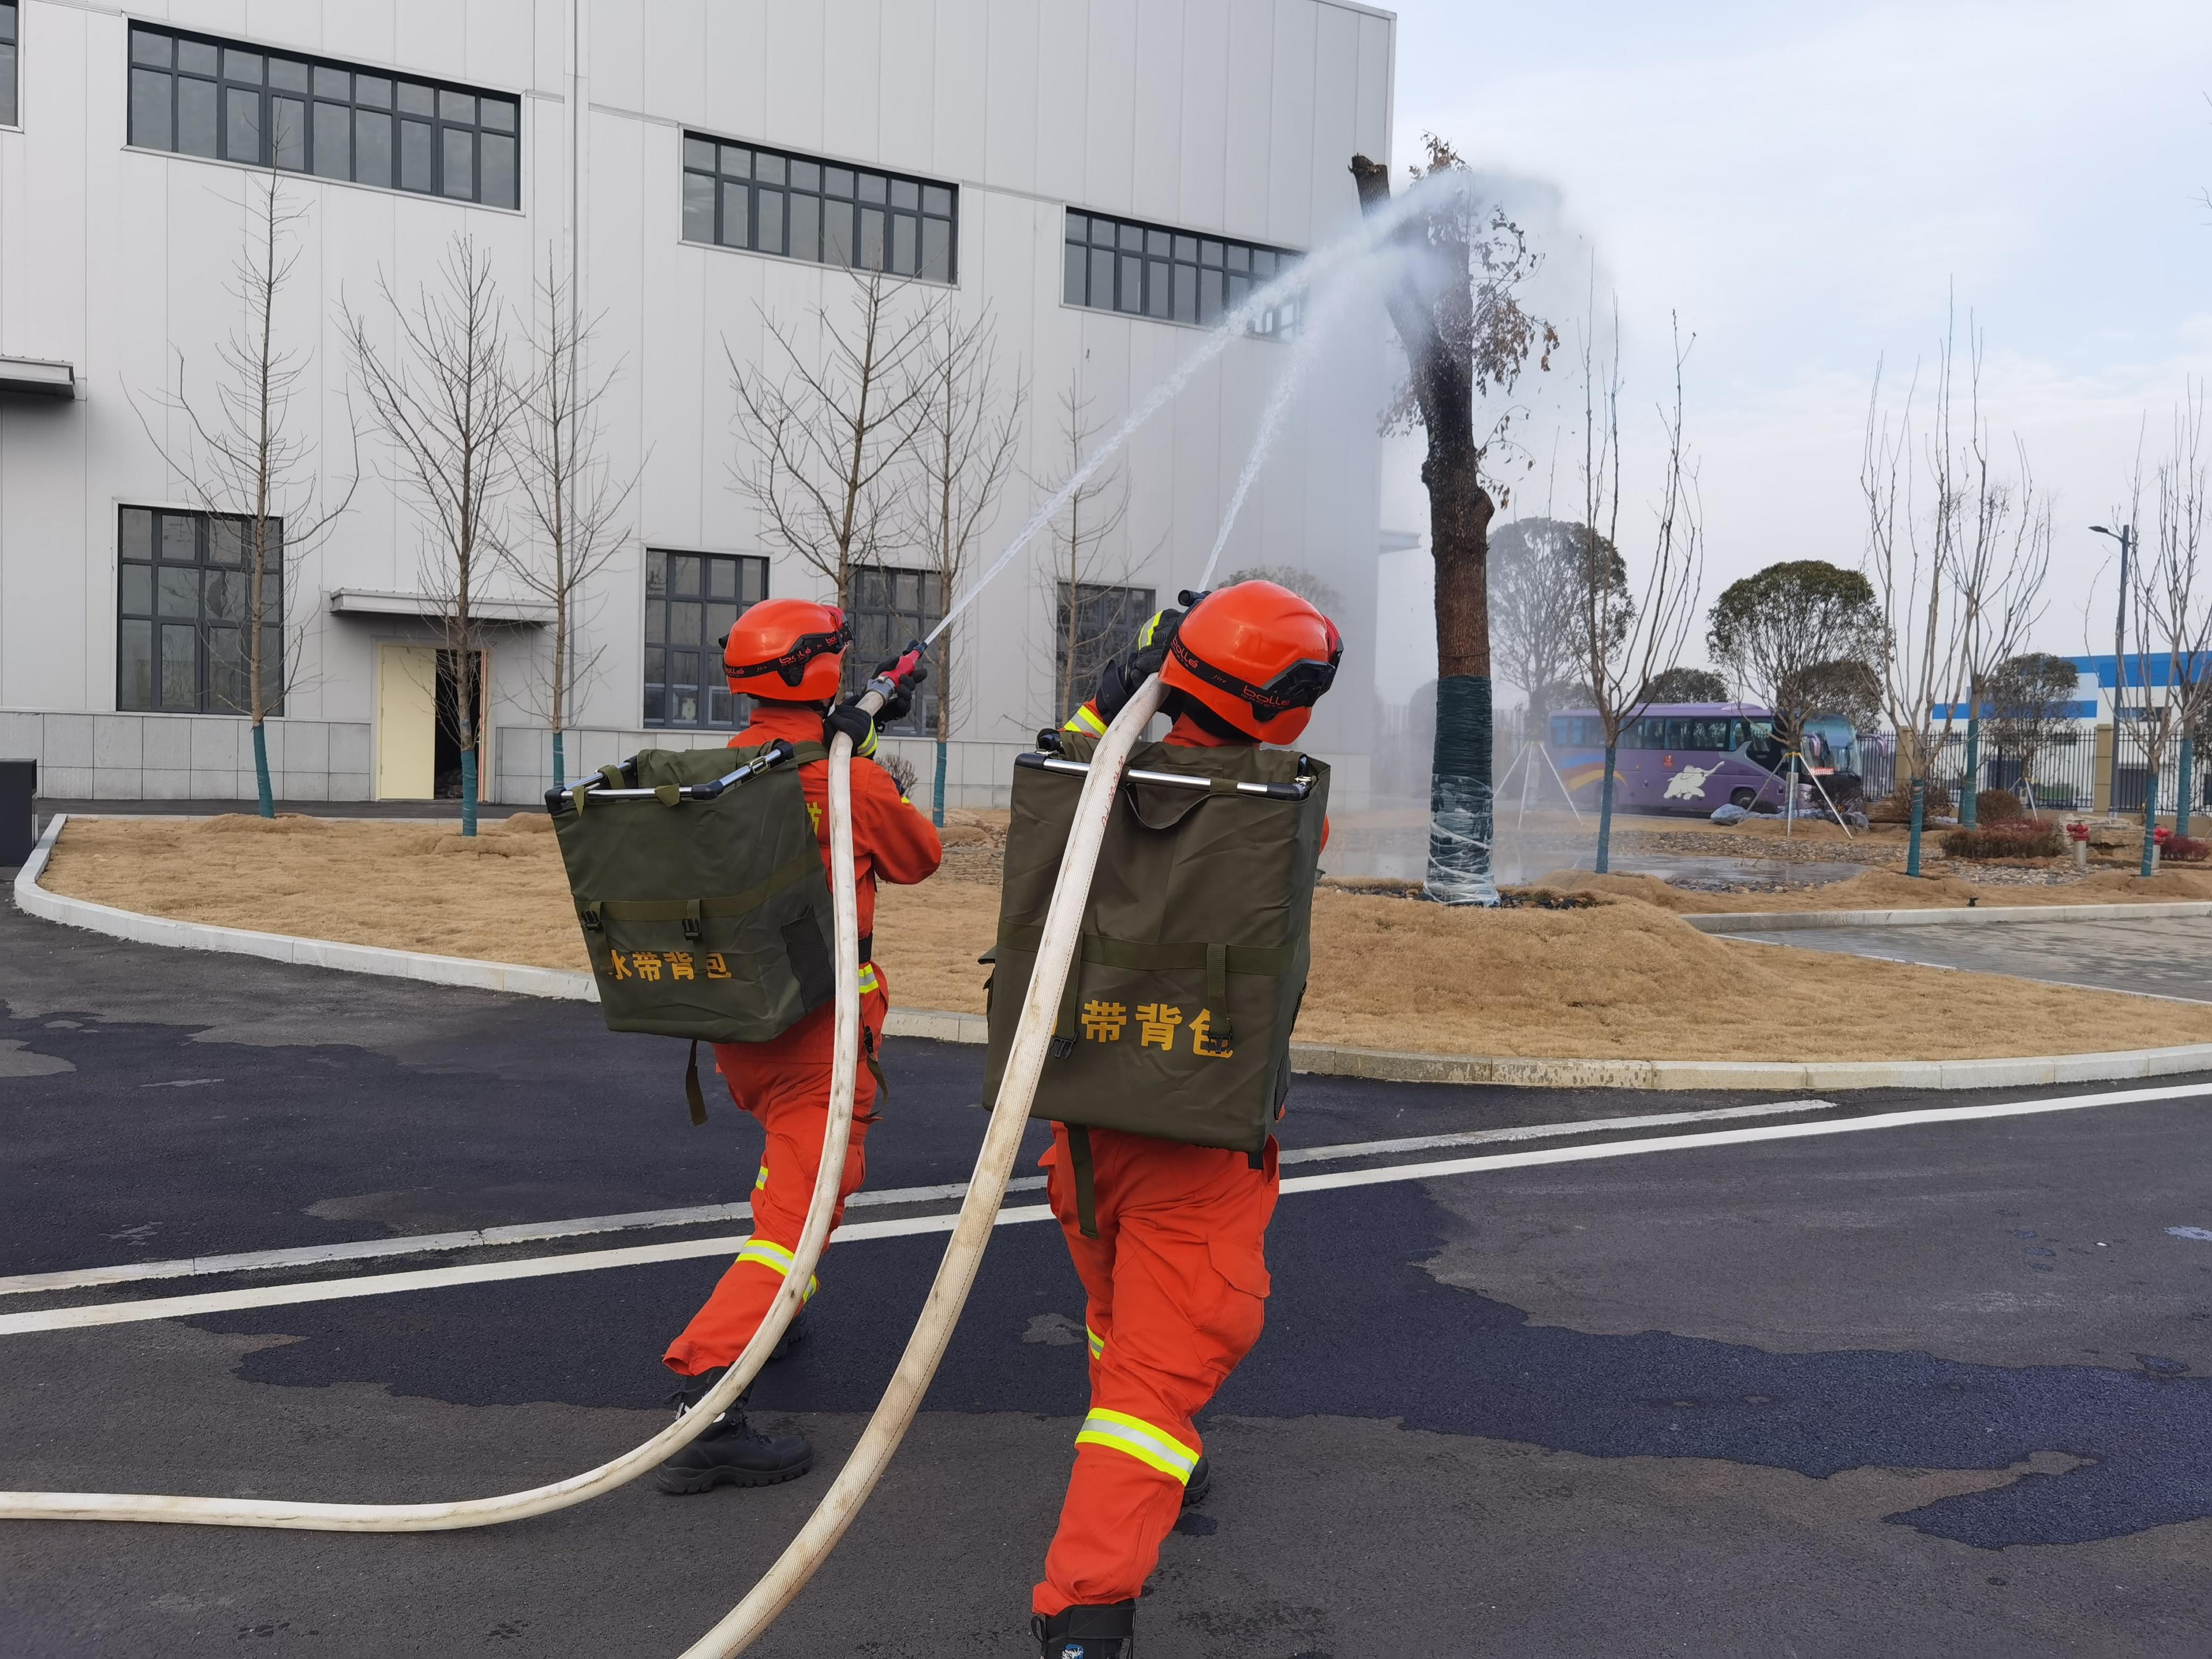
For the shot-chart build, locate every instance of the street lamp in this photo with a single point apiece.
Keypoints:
(2125, 536)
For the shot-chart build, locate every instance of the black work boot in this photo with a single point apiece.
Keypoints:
(1097, 1632)
(731, 1452)
(1200, 1482)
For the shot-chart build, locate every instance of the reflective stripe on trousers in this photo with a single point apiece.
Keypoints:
(775, 1259)
(1147, 1442)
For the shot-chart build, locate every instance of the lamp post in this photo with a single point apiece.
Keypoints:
(2125, 536)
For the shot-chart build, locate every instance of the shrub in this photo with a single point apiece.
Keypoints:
(1995, 806)
(2024, 838)
(2185, 849)
(901, 769)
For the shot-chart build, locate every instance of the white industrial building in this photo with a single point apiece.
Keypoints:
(975, 142)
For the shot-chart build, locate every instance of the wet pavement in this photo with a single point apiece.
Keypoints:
(1939, 1388)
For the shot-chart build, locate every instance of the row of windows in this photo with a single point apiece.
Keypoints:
(773, 202)
(192, 95)
(182, 611)
(1708, 734)
(200, 97)
(1151, 270)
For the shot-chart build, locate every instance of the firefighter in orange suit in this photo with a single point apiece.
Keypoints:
(787, 655)
(1176, 1278)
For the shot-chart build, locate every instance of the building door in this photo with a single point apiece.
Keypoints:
(406, 722)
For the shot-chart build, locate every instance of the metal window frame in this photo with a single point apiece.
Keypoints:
(272, 622)
(900, 623)
(752, 183)
(1151, 266)
(1145, 601)
(740, 707)
(265, 156)
(13, 39)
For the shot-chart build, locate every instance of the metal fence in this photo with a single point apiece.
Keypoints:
(2067, 776)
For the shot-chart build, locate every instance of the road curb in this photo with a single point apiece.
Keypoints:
(34, 900)
(1319, 1059)
(1779, 921)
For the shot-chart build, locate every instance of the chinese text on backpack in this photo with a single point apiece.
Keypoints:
(1176, 1019)
(698, 882)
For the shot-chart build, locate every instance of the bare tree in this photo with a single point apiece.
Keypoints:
(1626, 647)
(573, 504)
(827, 432)
(1087, 584)
(967, 434)
(1912, 565)
(444, 402)
(256, 476)
(2000, 556)
(2170, 594)
(2029, 700)
(1457, 315)
(1539, 569)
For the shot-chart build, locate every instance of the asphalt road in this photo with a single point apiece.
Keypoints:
(2170, 957)
(1936, 1388)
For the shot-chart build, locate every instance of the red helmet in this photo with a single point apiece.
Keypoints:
(1256, 656)
(787, 651)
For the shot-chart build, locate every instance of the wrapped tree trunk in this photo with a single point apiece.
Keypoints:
(1435, 323)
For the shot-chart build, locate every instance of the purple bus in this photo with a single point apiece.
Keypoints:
(1691, 757)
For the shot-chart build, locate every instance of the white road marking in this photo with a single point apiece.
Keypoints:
(310, 1255)
(180, 1307)
(529, 1232)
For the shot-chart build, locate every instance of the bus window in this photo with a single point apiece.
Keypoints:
(1699, 735)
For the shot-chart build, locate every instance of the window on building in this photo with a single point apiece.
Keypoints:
(691, 599)
(888, 608)
(8, 115)
(1095, 624)
(181, 613)
(803, 207)
(1173, 276)
(237, 103)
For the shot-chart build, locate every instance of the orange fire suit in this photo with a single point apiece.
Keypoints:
(785, 1082)
(1176, 1282)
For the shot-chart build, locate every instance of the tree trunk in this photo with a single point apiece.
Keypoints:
(2188, 783)
(2150, 820)
(936, 810)
(1461, 807)
(1919, 812)
(267, 801)
(1969, 813)
(1605, 812)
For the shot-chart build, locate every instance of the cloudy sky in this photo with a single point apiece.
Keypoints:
(1805, 185)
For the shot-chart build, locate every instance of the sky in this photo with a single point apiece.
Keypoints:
(1807, 188)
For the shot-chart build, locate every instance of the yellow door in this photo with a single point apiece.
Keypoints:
(406, 722)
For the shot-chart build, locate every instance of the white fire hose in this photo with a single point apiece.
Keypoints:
(925, 1349)
(995, 1164)
(578, 1488)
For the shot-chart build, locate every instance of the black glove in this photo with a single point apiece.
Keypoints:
(905, 672)
(1119, 680)
(850, 718)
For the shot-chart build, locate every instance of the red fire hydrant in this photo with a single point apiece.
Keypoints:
(2078, 832)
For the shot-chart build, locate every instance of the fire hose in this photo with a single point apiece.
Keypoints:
(578, 1488)
(932, 1332)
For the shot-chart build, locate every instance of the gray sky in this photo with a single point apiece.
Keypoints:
(1805, 185)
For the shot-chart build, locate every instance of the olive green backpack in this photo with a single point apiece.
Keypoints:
(698, 882)
(1175, 1018)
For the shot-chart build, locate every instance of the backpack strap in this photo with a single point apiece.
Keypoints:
(1087, 1190)
(696, 1100)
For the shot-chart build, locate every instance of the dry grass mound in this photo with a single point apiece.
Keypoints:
(1627, 978)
